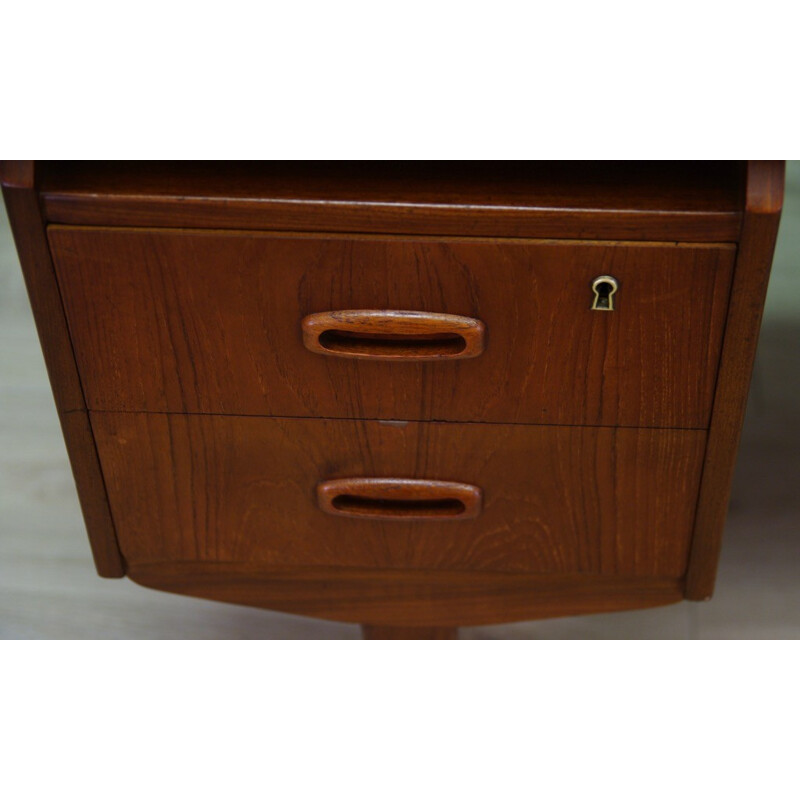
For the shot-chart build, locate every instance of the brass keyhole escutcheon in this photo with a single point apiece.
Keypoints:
(604, 288)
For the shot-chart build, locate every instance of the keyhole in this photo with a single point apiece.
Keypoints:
(604, 289)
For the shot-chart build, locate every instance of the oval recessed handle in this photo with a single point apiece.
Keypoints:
(399, 499)
(393, 335)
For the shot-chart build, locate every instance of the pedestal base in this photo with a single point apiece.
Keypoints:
(397, 632)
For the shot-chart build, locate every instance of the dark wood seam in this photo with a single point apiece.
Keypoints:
(390, 420)
(401, 237)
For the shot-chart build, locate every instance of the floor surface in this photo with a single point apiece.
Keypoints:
(49, 590)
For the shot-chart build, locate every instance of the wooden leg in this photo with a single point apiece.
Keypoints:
(396, 632)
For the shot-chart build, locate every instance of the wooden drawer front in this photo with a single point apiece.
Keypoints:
(211, 322)
(563, 500)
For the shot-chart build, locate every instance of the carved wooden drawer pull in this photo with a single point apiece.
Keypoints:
(399, 499)
(393, 335)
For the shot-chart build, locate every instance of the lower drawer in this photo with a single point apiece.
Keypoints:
(549, 499)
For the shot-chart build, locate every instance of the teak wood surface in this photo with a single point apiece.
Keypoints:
(606, 501)
(408, 598)
(602, 444)
(200, 322)
(765, 185)
(644, 200)
(28, 227)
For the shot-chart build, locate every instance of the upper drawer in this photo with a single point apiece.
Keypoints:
(188, 321)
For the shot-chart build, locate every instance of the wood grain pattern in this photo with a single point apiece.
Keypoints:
(210, 322)
(400, 598)
(21, 202)
(765, 184)
(555, 500)
(92, 494)
(399, 499)
(17, 174)
(37, 269)
(392, 335)
(672, 201)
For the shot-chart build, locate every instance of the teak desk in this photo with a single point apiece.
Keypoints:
(408, 395)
